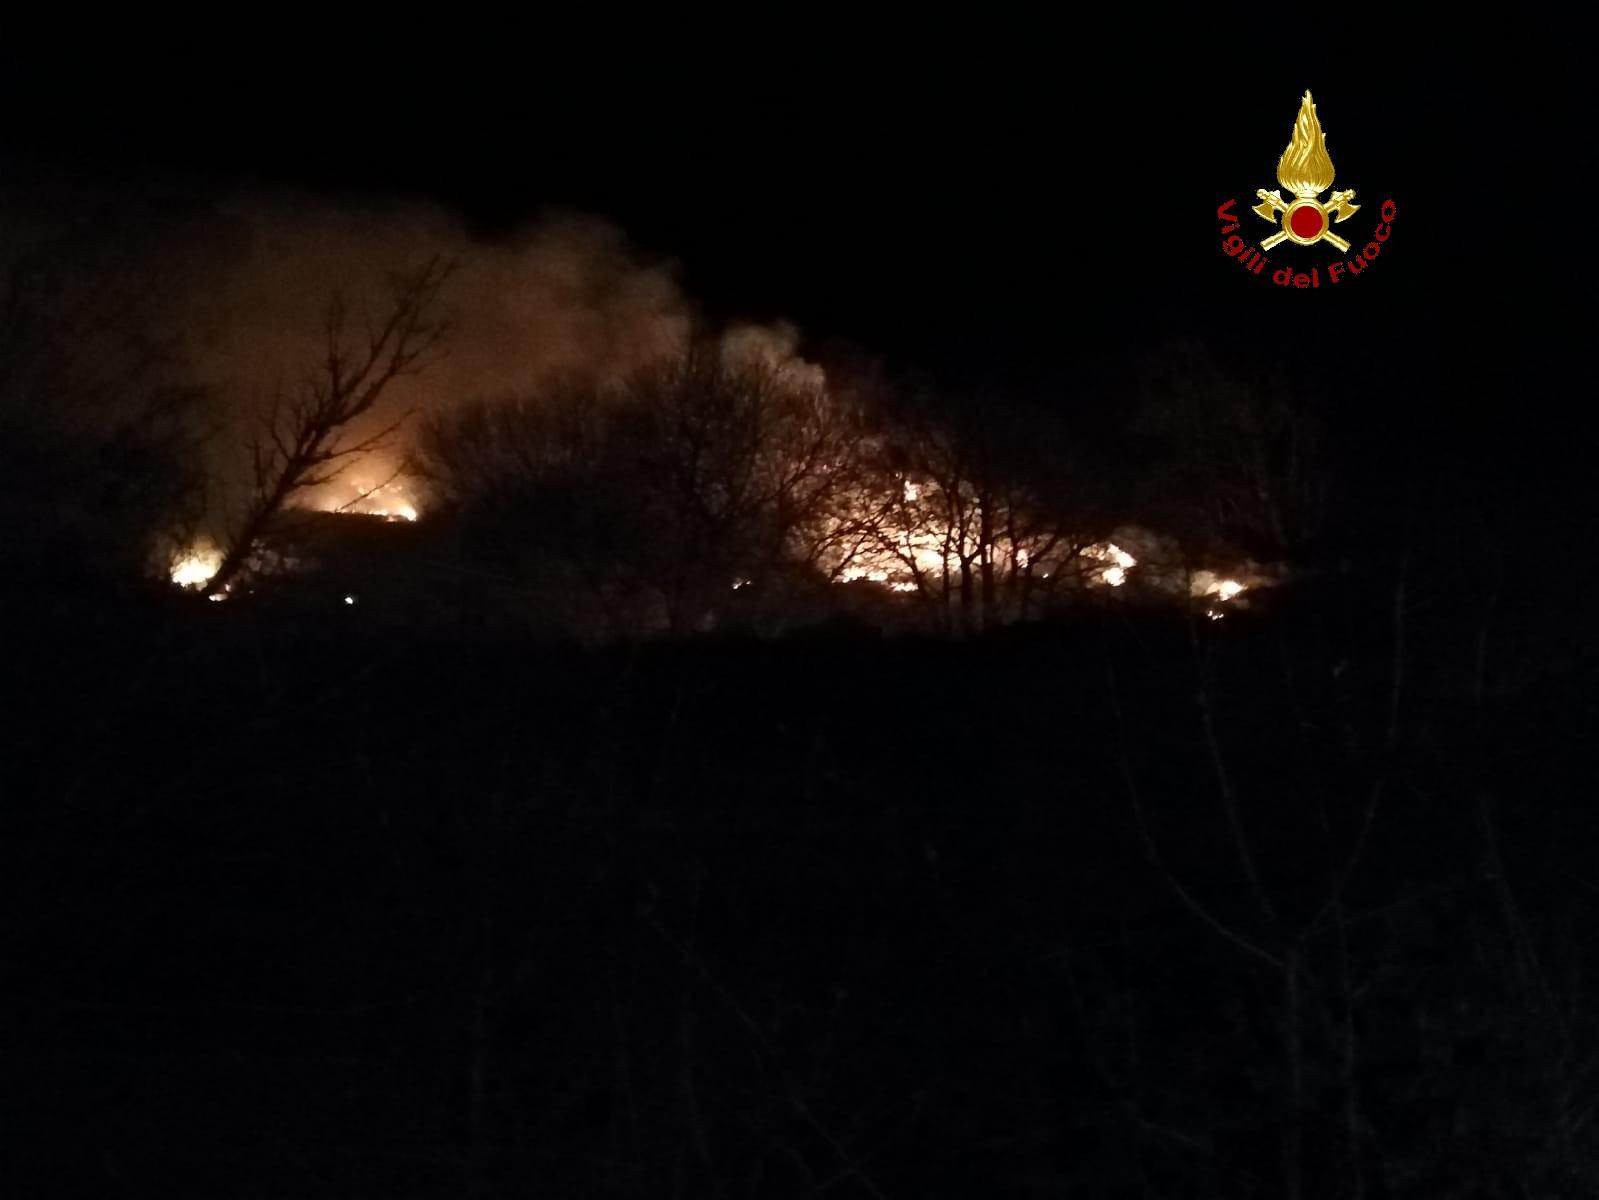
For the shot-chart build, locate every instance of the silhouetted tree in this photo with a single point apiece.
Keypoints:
(696, 473)
(305, 440)
(979, 507)
(739, 459)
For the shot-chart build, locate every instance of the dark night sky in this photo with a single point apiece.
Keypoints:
(1026, 206)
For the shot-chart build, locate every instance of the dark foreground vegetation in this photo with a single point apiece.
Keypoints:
(1292, 904)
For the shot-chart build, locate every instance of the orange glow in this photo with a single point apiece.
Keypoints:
(194, 566)
(392, 499)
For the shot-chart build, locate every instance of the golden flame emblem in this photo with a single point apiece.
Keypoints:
(1306, 170)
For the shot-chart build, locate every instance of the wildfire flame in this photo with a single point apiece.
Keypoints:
(1207, 585)
(1217, 591)
(1120, 562)
(194, 566)
(917, 540)
(1305, 168)
(390, 499)
(854, 574)
(915, 546)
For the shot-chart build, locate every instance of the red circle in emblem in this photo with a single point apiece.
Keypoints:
(1306, 221)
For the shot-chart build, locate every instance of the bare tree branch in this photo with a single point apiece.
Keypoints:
(303, 442)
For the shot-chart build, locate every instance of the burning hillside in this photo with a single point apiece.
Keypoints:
(558, 408)
(648, 503)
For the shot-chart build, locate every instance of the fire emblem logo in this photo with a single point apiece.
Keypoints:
(1306, 170)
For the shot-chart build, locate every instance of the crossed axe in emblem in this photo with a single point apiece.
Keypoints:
(1338, 207)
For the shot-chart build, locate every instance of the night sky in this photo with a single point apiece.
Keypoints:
(989, 200)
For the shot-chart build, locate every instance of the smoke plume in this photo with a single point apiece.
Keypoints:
(241, 289)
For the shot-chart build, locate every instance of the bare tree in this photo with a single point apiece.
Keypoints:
(741, 458)
(305, 440)
(695, 474)
(965, 505)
